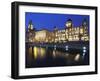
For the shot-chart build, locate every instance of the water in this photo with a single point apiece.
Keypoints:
(52, 56)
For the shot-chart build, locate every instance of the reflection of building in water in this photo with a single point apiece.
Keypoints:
(37, 52)
(70, 33)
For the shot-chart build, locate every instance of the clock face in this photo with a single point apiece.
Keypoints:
(30, 26)
(68, 24)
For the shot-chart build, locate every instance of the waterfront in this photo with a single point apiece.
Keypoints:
(66, 44)
(52, 55)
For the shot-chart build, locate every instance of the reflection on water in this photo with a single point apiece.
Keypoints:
(37, 52)
(77, 57)
(39, 56)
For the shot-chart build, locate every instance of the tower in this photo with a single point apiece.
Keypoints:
(85, 26)
(85, 23)
(69, 26)
(30, 26)
(55, 34)
(85, 30)
(69, 23)
(31, 32)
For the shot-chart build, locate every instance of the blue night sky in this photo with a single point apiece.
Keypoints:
(49, 20)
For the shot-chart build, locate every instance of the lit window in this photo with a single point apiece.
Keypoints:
(84, 51)
(84, 47)
(81, 31)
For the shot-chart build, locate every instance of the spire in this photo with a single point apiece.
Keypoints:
(30, 22)
(84, 23)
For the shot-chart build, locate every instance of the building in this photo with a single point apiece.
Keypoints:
(41, 36)
(69, 33)
(30, 33)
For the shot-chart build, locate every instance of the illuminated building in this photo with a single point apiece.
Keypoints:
(55, 34)
(85, 35)
(69, 33)
(42, 36)
(69, 26)
(60, 36)
(30, 34)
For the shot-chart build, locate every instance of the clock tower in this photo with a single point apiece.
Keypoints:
(69, 23)
(30, 26)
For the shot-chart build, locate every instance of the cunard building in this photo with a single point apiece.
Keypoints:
(71, 33)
